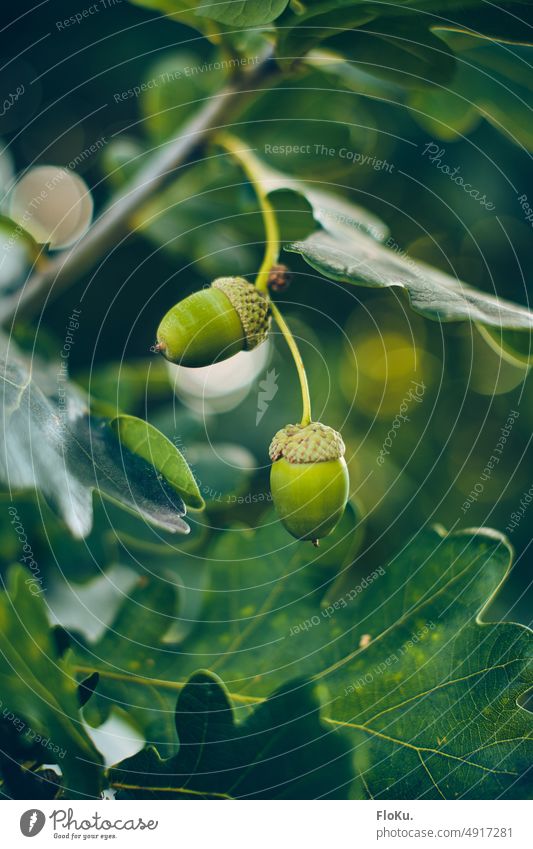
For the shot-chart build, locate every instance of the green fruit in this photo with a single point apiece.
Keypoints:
(214, 324)
(309, 479)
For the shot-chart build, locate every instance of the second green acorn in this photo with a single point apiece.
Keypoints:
(309, 479)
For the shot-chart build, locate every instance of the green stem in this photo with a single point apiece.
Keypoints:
(272, 235)
(297, 357)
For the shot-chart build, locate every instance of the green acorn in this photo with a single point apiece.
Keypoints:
(309, 479)
(215, 323)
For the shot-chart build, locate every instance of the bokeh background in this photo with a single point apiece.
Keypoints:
(364, 349)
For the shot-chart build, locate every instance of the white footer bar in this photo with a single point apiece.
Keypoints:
(270, 825)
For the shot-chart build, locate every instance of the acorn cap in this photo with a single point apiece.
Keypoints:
(312, 443)
(251, 306)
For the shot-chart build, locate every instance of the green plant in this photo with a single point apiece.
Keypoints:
(214, 324)
(309, 479)
(147, 581)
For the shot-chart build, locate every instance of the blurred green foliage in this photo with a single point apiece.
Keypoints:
(364, 349)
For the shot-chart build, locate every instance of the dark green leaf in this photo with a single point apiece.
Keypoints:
(399, 652)
(144, 440)
(281, 751)
(432, 293)
(38, 688)
(344, 251)
(243, 13)
(492, 82)
(392, 649)
(510, 21)
(206, 16)
(140, 670)
(183, 11)
(332, 212)
(125, 656)
(87, 688)
(54, 445)
(404, 53)
(318, 22)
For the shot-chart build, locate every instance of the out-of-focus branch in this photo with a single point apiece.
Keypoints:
(52, 277)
